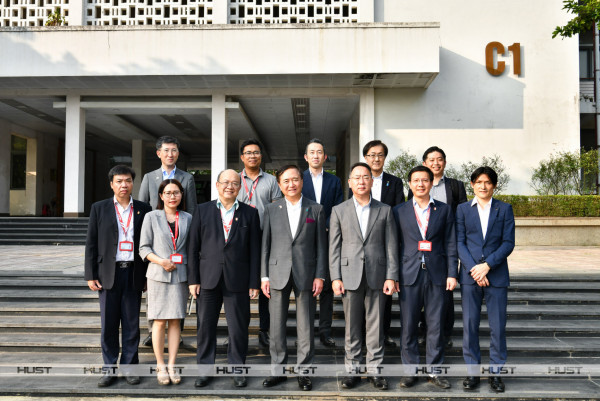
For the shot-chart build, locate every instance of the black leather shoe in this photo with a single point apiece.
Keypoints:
(202, 381)
(147, 341)
(132, 380)
(471, 382)
(439, 381)
(350, 381)
(496, 384)
(304, 383)
(240, 381)
(408, 381)
(106, 380)
(389, 341)
(263, 338)
(327, 341)
(379, 382)
(274, 380)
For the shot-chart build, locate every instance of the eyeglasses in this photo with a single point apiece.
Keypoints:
(233, 184)
(376, 156)
(174, 193)
(255, 153)
(423, 181)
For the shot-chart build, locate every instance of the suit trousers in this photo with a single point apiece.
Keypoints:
(237, 315)
(326, 309)
(305, 318)
(360, 305)
(387, 315)
(448, 323)
(495, 299)
(423, 293)
(120, 306)
(263, 312)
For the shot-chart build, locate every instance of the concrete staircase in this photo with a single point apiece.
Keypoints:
(42, 231)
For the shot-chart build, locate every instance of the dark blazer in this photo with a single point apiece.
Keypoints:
(392, 190)
(210, 257)
(331, 193)
(442, 261)
(102, 242)
(498, 244)
(455, 193)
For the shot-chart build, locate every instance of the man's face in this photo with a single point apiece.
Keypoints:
(251, 156)
(122, 185)
(420, 184)
(290, 183)
(375, 158)
(360, 181)
(315, 155)
(436, 163)
(228, 185)
(483, 187)
(168, 154)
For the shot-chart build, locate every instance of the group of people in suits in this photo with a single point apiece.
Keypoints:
(266, 236)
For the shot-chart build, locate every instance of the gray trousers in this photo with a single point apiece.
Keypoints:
(305, 321)
(364, 304)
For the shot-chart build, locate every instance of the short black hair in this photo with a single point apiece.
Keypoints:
(166, 139)
(373, 143)
(360, 164)
(431, 150)
(283, 169)
(487, 171)
(314, 140)
(120, 169)
(420, 168)
(160, 204)
(248, 142)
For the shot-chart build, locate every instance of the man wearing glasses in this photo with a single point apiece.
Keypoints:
(258, 189)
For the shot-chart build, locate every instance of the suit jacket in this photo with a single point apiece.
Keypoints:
(210, 257)
(151, 182)
(455, 193)
(498, 244)
(303, 256)
(102, 242)
(442, 260)
(331, 192)
(349, 252)
(156, 239)
(392, 190)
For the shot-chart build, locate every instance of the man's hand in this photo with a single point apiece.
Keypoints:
(317, 286)
(483, 282)
(388, 287)
(478, 272)
(253, 293)
(450, 283)
(94, 285)
(338, 287)
(265, 286)
(168, 265)
(194, 290)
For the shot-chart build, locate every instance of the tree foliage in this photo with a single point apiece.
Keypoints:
(401, 165)
(464, 171)
(566, 173)
(55, 18)
(586, 13)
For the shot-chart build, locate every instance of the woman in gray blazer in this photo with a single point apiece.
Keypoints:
(163, 243)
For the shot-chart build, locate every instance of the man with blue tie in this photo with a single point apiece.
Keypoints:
(325, 189)
(485, 230)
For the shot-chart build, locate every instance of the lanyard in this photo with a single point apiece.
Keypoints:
(226, 226)
(251, 193)
(125, 228)
(426, 219)
(174, 237)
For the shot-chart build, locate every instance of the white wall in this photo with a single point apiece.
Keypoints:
(470, 113)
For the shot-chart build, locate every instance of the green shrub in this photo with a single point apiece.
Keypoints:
(566, 173)
(401, 165)
(553, 205)
(463, 173)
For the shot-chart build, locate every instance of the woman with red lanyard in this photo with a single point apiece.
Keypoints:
(163, 243)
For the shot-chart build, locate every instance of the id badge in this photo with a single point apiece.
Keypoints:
(126, 246)
(177, 258)
(425, 246)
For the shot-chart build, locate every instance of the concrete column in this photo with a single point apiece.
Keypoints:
(138, 162)
(379, 11)
(4, 169)
(366, 11)
(76, 12)
(366, 119)
(31, 188)
(220, 12)
(218, 161)
(74, 157)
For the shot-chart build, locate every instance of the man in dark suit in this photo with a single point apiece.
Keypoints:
(325, 189)
(294, 257)
(224, 268)
(114, 268)
(485, 230)
(429, 269)
(452, 192)
(386, 189)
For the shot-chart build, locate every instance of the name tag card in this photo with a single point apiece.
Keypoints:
(177, 258)
(425, 246)
(126, 246)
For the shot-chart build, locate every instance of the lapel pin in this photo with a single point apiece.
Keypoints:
(281, 207)
(236, 219)
(138, 212)
(435, 208)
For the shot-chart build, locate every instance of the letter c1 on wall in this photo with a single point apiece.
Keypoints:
(498, 47)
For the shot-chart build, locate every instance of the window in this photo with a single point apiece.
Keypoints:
(586, 63)
(18, 162)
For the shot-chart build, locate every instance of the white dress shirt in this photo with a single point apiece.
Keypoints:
(376, 189)
(422, 215)
(317, 181)
(124, 256)
(484, 214)
(293, 212)
(227, 216)
(362, 212)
